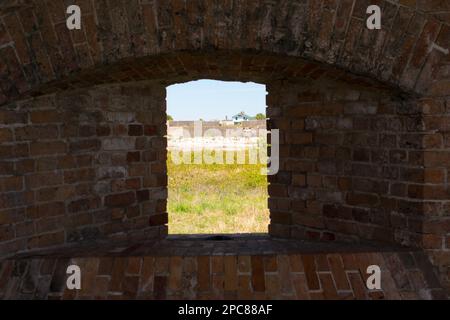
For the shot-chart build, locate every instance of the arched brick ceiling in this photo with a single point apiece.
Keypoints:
(119, 40)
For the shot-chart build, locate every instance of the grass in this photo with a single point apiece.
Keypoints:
(217, 198)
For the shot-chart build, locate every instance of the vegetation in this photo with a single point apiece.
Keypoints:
(217, 198)
(260, 116)
(169, 117)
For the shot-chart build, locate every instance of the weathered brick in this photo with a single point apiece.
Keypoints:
(46, 240)
(47, 148)
(135, 130)
(120, 200)
(5, 135)
(80, 175)
(45, 116)
(338, 126)
(158, 220)
(258, 281)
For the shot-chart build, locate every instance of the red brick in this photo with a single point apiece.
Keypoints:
(45, 116)
(162, 265)
(20, 44)
(117, 274)
(280, 217)
(244, 287)
(362, 199)
(120, 200)
(7, 233)
(340, 149)
(5, 135)
(244, 264)
(6, 168)
(299, 180)
(84, 146)
(103, 131)
(217, 264)
(204, 274)
(430, 31)
(273, 288)
(338, 271)
(47, 148)
(40, 180)
(327, 283)
(316, 110)
(134, 156)
(13, 151)
(135, 130)
(358, 287)
(158, 220)
(296, 263)
(147, 274)
(47, 210)
(13, 117)
(8, 184)
(83, 205)
(133, 184)
(46, 240)
(310, 272)
(80, 175)
(300, 286)
(277, 190)
(150, 130)
(270, 264)
(258, 281)
(434, 175)
(175, 273)
(142, 195)
(230, 268)
(431, 241)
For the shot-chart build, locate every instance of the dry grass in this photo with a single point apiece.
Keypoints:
(217, 199)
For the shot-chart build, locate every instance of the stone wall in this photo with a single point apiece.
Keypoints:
(83, 166)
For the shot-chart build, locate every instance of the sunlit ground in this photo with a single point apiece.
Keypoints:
(217, 198)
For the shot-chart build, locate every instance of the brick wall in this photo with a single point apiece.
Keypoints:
(356, 165)
(83, 166)
(361, 164)
(248, 269)
(350, 163)
(435, 192)
(38, 51)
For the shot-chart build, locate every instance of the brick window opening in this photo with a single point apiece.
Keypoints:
(217, 148)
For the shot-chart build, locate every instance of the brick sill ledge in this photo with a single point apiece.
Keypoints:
(202, 245)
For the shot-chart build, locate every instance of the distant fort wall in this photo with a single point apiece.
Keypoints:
(216, 134)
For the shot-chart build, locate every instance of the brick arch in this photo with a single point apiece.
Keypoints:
(40, 55)
(363, 116)
(88, 164)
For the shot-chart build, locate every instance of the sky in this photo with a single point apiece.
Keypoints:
(214, 100)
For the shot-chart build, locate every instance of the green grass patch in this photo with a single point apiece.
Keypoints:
(217, 198)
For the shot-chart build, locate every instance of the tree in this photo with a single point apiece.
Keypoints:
(169, 117)
(260, 116)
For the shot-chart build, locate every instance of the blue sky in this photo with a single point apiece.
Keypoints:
(213, 100)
